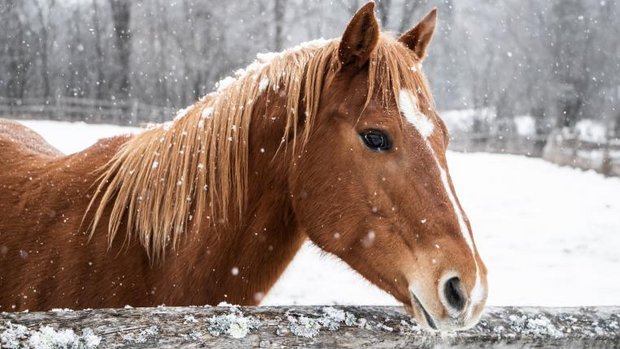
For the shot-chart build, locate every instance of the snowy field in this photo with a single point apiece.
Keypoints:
(549, 235)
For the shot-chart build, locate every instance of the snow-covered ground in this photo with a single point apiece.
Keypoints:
(70, 137)
(549, 235)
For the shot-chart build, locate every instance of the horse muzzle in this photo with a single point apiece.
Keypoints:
(454, 309)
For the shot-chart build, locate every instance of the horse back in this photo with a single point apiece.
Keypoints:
(24, 155)
(18, 142)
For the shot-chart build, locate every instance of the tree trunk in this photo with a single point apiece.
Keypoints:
(100, 77)
(383, 8)
(278, 11)
(44, 41)
(121, 17)
(617, 125)
(19, 59)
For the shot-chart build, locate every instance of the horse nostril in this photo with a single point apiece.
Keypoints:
(454, 293)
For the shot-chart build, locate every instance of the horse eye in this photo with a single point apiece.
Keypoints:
(376, 140)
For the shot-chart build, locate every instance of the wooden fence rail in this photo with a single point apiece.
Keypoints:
(130, 112)
(602, 157)
(304, 326)
(506, 144)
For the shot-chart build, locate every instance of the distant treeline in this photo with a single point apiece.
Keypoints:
(556, 60)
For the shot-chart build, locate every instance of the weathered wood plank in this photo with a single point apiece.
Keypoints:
(304, 326)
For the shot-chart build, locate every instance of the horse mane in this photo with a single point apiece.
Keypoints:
(166, 180)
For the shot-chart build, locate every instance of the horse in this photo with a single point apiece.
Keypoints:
(337, 141)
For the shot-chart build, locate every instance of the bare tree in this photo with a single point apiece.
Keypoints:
(44, 12)
(570, 41)
(16, 53)
(121, 16)
(383, 9)
(278, 17)
(97, 29)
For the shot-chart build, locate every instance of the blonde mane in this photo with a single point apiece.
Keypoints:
(168, 179)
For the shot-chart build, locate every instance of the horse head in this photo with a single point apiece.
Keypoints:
(372, 185)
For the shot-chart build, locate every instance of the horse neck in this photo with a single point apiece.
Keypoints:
(238, 262)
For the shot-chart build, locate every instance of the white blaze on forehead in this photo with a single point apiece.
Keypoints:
(409, 109)
(455, 206)
(477, 293)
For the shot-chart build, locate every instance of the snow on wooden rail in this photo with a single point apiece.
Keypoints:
(305, 326)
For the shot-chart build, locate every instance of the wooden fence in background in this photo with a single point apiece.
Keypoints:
(131, 112)
(506, 144)
(602, 157)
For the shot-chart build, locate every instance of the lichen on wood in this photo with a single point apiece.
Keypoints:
(306, 326)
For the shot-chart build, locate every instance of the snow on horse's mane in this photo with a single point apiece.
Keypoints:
(262, 60)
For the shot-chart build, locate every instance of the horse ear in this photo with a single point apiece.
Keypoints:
(360, 38)
(418, 38)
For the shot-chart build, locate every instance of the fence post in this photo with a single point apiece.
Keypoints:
(134, 112)
(55, 115)
(606, 166)
(575, 149)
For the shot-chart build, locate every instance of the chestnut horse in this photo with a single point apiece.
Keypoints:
(337, 141)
